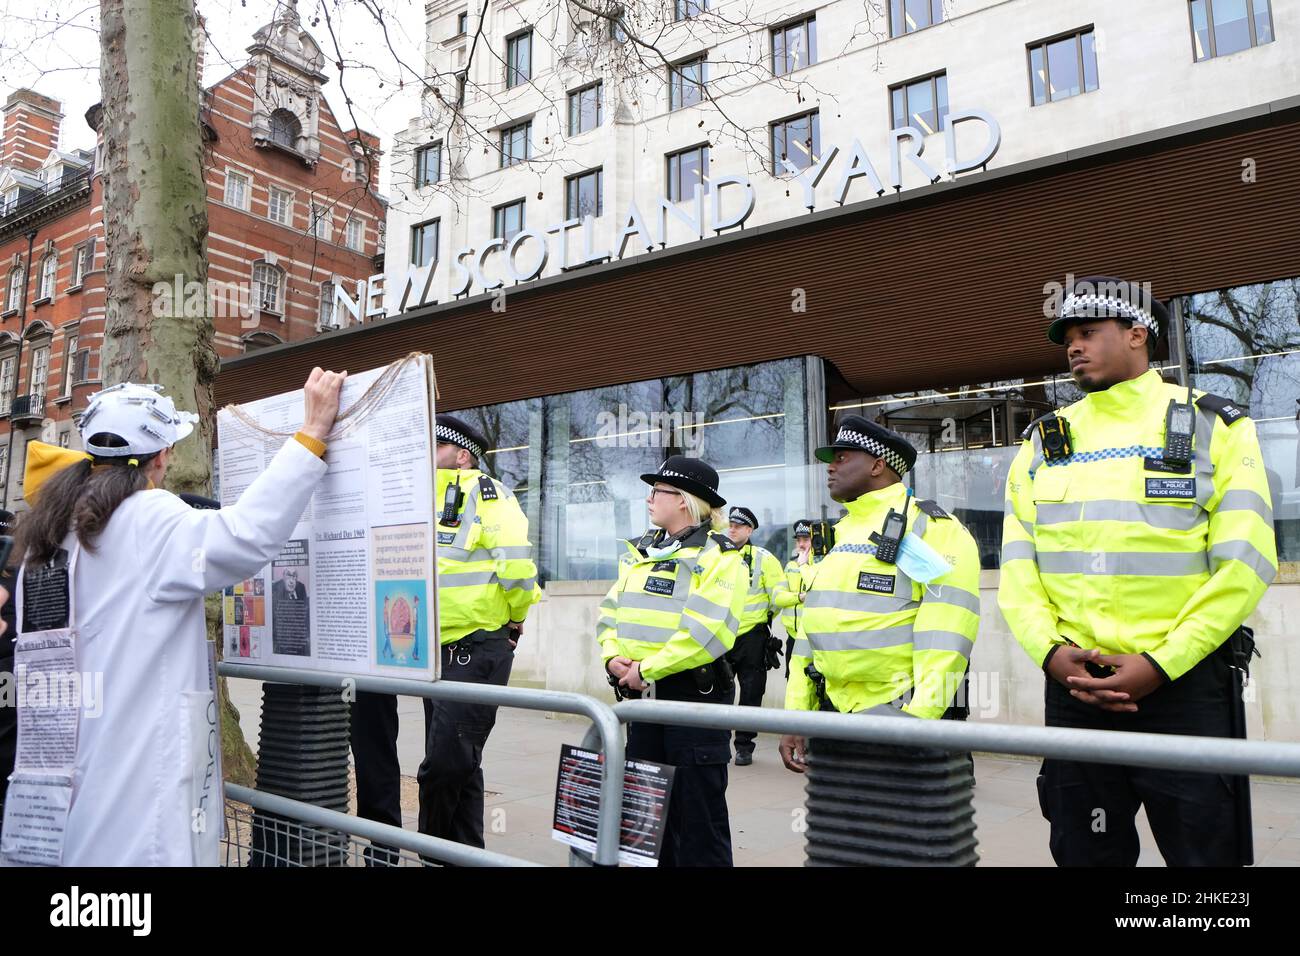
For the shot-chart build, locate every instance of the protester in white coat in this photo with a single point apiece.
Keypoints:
(143, 561)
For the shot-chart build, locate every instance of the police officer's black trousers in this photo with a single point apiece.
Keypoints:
(749, 658)
(451, 774)
(1193, 816)
(379, 775)
(698, 829)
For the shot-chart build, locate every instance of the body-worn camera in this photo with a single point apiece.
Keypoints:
(1054, 433)
(823, 538)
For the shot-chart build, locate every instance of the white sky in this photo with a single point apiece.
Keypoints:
(53, 48)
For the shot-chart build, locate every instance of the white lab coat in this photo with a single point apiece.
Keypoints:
(139, 607)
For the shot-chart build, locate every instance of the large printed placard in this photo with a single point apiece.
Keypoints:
(353, 588)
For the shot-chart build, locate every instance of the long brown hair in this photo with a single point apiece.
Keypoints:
(82, 497)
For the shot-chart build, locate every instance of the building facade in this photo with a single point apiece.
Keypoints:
(924, 308)
(293, 212)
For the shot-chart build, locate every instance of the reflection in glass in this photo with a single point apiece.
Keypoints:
(1037, 75)
(1063, 68)
(1200, 30)
(1231, 26)
(1244, 344)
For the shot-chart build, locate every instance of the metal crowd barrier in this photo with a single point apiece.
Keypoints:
(1169, 751)
(605, 730)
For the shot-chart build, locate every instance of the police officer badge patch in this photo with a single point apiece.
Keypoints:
(659, 585)
(446, 537)
(1184, 488)
(879, 583)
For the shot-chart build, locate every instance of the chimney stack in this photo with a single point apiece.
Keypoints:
(31, 129)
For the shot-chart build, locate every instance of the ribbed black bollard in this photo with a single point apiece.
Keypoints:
(883, 805)
(302, 753)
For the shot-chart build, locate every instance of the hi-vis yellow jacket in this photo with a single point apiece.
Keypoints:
(872, 631)
(1116, 549)
(797, 577)
(486, 574)
(677, 611)
(768, 588)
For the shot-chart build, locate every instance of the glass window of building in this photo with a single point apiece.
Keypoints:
(1221, 27)
(354, 233)
(584, 109)
(582, 194)
(279, 206)
(8, 371)
(424, 242)
(285, 128)
(519, 59)
(1063, 67)
(685, 9)
(15, 299)
(794, 46)
(514, 143)
(921, 103)
(428, 164)
(1244, 343)
(320, 221)
(796, 140)
(328, 317)
(49, 272)
(462, 23)
(508, 220)
(267, 286)
(236, 189)
(908, 16)
(686, 170)
(575, 460)
(686, 83)
(69, 354)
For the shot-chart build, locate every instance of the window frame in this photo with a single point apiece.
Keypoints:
(682, 9)
(233, 173)
(889, 14)
(322, 220)
(327, 297)
(1213, 53)
(500, 211)
(809, 24)
(513, 77)
(14, 284)
(813, 114)
(271, 190)
(933, 80)
(420, 153)
(676, 79)
(575, 97)
(462, 24)
(360, 228)
(1042, 45)
(703, 149)
(277, 307)
(70, 336)
(508, 131)
(9, 380)
(573, 181)
(35, 388)
(417, 231)
(50, 274)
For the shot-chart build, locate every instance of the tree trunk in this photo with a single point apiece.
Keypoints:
(155, 228)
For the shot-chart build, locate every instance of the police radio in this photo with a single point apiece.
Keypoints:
(823, 538)
(451, 506)
(888, 538)
(1179, 420)
(1054, 433)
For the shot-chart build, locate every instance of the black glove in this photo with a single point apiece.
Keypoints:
(772, 652)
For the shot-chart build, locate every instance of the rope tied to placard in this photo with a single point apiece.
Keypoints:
(348, 420)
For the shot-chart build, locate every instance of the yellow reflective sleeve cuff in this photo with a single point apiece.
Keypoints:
(313, 445)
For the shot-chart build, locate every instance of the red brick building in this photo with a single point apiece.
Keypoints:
(293, 210)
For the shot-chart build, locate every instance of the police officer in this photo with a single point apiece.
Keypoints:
(1138, 538)
(487, 581)
(756, 649)
(669, 620)
(890, 615)
(798, 571)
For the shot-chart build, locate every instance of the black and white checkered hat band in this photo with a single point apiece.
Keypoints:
(443, 433)
(803, 527)
(738, 517)
(893, 459)
(665, 473)
(1090, 306)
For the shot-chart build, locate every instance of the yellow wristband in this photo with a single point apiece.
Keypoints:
(313, 445)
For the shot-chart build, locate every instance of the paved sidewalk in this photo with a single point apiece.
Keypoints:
(523, 753)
